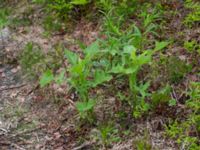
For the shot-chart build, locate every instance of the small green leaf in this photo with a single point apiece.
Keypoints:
(160, 45)
(172, 102)
(117, 69)
(46, 78)
(85, 106)
(92, 49)
(100, 77)
(71, 57)
(78, 68)
(120, 69)
(142, 59)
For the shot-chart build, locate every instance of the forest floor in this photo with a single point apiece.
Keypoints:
(35, 118)
(31, 120)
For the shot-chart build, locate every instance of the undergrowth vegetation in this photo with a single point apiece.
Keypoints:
(4, 18)
(193, 17)
(186, 131)
(132, 60)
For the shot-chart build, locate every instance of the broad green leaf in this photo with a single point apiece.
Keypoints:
(100, 77)
(120, 69)
(46, 78)
(117, 69)
(92, 49)
(160, 45)
(137, 31)
(142, 59)
(85, 106)
(78, 68)
(130, 70)
(71, 57)
(137, 37)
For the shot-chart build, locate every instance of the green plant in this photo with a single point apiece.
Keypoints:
(143, 143)
(62, 8)
(194, 16)
(116, 22)
(177, 69)
(149, 16)
(50, 24)
(82, 76)
(162, 96)
(31, 59)
(85, 110)
(106, 134)
(186, 132)
(192, 46)
(46, 78)
(4, 13)
(123, 55)
(127, 62)
(172, 69)
(105, 5)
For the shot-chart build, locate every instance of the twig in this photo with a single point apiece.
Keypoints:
(68, 98)
(25, 132)
(174, 94)
(32, 90)
(12, 87)
(71, 102)
(84, 145)
(4, 130)
(4, 143)
(17, 146)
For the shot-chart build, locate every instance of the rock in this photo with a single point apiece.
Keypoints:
(4, 35)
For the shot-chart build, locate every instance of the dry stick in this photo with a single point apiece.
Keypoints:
(68, 98)
(25, 132)
(82, 146)
(33, 89)
(17, 146)
(12, 87)
(4, 130)
(4, 143)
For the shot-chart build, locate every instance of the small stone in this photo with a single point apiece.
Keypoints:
(14, 70)
(4, 34)
(3, 75)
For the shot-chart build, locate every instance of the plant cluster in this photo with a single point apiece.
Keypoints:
(192, 46)
(122, 55)
(186, 132)
(104, 61)
(119, 60)
(193, 16)
(64, 8)
(4, 13)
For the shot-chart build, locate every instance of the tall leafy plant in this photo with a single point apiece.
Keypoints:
(83, 75)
